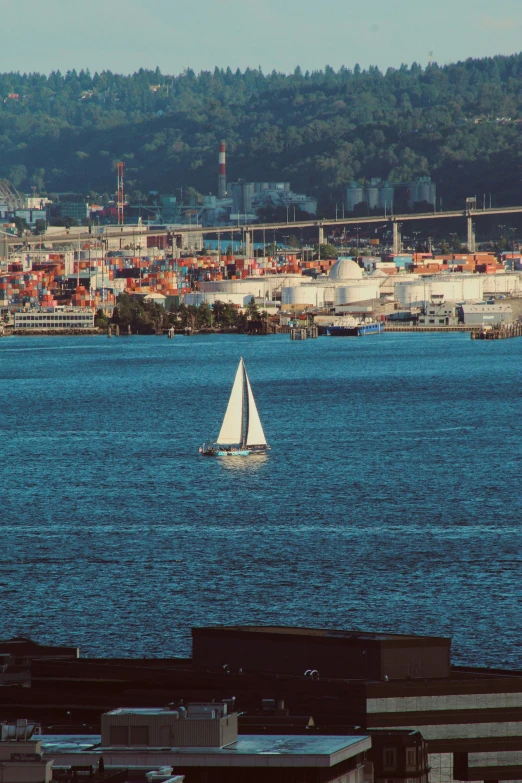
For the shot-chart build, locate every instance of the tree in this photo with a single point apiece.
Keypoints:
(101, 321)
(204, 316)
(21, 225)
(40, 226)
(327, 251)
(252, 310)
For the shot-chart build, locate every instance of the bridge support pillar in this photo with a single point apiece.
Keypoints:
(248, 244)
(321, 235)
(471, 235)
(397, 240)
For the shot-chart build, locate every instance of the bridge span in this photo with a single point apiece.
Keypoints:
(249, 229)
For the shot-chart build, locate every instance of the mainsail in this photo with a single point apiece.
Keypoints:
(231, 432)
(255, 435)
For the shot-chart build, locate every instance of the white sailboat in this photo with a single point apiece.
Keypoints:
(241, 433)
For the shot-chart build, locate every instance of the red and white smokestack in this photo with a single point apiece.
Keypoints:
(222, 179)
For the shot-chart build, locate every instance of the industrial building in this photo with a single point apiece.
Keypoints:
(249, 197)
(491, 313)
(440, 315)
(77, 210)
(380, 194)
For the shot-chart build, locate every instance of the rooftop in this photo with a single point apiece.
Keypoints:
(323, 633)
(315, 750)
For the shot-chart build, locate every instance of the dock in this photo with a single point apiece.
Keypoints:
(411, 328)
(501, 332)
(304, 333)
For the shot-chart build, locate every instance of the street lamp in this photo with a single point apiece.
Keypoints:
(357, 228)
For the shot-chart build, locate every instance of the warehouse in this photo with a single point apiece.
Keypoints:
(486, 314)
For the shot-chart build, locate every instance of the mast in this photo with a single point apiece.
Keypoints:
(244, 411)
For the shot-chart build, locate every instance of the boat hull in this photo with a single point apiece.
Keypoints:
(355, 331)
(217, 452)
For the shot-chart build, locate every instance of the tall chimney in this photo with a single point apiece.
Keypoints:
(222, 179)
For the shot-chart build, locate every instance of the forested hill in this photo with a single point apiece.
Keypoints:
(461, 124)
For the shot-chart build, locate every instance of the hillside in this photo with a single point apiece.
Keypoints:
(318, 130)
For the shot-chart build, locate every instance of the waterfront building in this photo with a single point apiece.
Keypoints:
(440, 315)
(486, 314)
(54, 319)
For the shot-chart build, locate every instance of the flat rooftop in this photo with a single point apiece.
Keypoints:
(275, 750)
(323, 633)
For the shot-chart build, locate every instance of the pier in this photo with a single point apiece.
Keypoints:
(304, 333)
(411, 328)
(500, 332)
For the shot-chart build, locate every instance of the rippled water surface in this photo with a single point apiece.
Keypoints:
(390, 499)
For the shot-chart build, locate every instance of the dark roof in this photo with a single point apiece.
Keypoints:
(323, 633)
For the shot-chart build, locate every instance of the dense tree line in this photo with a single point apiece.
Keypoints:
(150, 318)
(460, 123)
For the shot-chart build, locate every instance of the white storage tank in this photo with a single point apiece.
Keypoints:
(473, 288)
(413, 294)
(357, 292)
(449, 287)
(300, 296)
(508, 283)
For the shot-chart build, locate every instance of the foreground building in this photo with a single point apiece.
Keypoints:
(400, 690)
(201, 742)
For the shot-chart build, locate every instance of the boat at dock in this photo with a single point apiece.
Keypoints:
(350, 327)
(241, 433)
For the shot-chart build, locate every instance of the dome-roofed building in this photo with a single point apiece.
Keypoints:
(345, 269)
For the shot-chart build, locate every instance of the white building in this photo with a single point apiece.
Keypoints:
(54, 318)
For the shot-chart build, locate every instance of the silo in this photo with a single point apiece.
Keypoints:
(501, 283)
(386, 195)
(299, 296)
(423, 190)
(473, 288)
(373, 197)
(449, 287)
(356, 292)
(413, 294)
(354, 195)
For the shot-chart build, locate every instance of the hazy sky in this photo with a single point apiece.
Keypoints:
(123, 35)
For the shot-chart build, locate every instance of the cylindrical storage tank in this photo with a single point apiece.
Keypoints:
(501, 283)
(299, 296)
(386, 198)
(449, 287)
(433, 193)
(413, 294)
(357, 292)
(373, 197)
(353, 196)
(473, 288)
(423, 191)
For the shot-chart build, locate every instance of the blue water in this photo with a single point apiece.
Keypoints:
(390, 499)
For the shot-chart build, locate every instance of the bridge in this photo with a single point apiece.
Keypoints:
(470, 214)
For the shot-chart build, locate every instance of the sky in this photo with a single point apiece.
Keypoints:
(124, 35)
